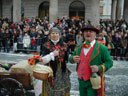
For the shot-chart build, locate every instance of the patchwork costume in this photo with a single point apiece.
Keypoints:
(97, 55)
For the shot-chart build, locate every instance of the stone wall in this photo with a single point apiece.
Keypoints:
(31, 7)
(63, 8)
(91, 9)
(126, 10)
(106, 9)
(7, 8)
(0, 13)
(0, 8)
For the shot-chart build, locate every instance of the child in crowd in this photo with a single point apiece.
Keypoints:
(33, 44)
(100, 39)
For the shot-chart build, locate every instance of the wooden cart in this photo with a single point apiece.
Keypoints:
(15, 84)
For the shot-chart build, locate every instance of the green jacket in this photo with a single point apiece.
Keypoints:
(100, 55)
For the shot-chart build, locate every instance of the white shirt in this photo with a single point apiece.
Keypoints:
(86, 50)
(47, 58)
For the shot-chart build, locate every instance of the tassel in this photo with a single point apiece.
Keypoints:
(51, 80)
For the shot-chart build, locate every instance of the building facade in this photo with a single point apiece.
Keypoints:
(87, 9)
(53, 9)
(105, 9)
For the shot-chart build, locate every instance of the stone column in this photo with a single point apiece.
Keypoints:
(120, 7)
(16, 10)
(113, 14)
(0, 8)
(94, 12)
(126, 10)
(53, 10)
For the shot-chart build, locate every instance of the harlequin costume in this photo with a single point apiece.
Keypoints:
(61, 81)
(97, 55)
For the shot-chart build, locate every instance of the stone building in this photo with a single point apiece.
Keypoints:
(105, 9)
(86, 9)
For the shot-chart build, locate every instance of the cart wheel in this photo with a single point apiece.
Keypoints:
(11, 87)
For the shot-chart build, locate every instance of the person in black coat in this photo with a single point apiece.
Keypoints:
(71, 40)
(61, 82)
(118, 45)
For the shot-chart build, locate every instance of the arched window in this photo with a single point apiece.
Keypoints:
(77, 10)
(44, 10)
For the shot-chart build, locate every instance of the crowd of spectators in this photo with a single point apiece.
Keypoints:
(28, 35)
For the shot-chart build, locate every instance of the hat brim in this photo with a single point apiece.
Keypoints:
(90, 28)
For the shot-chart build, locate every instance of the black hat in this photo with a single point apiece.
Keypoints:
(90, 27)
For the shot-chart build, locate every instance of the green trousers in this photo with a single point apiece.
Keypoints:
(85, 88)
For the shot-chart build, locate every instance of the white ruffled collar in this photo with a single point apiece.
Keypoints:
(55, 42)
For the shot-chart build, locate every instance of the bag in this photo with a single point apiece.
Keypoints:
(95, 81)
(42, 72)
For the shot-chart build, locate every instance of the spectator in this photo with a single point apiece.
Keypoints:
(3, 34)
(105, 38)
(118, 45)
(71, 41)
(0, 40)
(26, 42)
(15, 37)
(124, 45)
(126, 37)
(110, 44)
(20, 41)
(100, 39)
(4, 25)
(79, 38)
(7, 41)
(29, 25)
(33, 44)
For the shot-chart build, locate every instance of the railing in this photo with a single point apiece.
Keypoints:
(17, 47)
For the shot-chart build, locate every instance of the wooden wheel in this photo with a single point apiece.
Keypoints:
(11, 87)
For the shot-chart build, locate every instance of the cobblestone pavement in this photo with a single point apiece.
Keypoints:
(116, 77)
